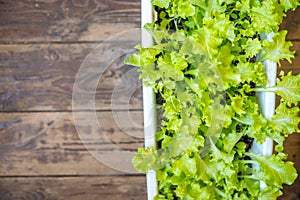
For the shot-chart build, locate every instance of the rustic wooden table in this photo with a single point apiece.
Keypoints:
(42, 45)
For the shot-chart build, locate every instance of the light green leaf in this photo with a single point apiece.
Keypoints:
(225, 56)
(161, 3)
(186, 9)
(253, 72)
(278, 49)
(237, 103)
(231, 139)
(230, 76)
(269, 194)
(252, 47)
(219, 154)
(275, 171)
(286, 120)
(288, 87)
(289, 4)
(186, 165)
(144, 160)
(204, 42)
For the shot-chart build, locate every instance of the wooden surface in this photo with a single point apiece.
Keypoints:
(39, 77)
(48, 144)
(75, 188)
(43, 44)
(65, 20)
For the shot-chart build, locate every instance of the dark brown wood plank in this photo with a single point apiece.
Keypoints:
(292, 148)
(77, 188)
(55, 144)
(292, 23)
(66, 20)
(41, 77)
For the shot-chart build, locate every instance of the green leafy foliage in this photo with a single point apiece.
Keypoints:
(274, 171)
(289, 4)
(286, 119)
(277, 49)
(206, 64)
(288, 87)
(161, 3)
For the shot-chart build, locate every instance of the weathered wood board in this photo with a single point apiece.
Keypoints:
(42, 77)
(52, 143)
(66, 20)
(75, 188)
(292, 23)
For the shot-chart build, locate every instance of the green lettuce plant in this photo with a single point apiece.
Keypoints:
(205, 66)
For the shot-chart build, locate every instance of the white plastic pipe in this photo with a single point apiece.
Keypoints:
(149, 102)
(267, 102)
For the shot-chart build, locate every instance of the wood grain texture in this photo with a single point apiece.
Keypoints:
(76, 188)
(41, 77)
(53, 144)
(292, 148)
(292, 23)
(66, 20)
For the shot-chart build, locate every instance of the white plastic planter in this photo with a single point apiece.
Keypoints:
(266, 99)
